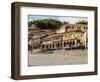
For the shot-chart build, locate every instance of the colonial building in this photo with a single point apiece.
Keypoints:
(72, 27)
(68, 36)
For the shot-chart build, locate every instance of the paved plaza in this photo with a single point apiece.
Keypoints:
(57, 57)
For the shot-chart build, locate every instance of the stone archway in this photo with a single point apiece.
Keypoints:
(65, 44)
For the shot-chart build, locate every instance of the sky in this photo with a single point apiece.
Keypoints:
(70, 19)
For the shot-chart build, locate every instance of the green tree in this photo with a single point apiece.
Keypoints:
(82, 22)
(46, 24)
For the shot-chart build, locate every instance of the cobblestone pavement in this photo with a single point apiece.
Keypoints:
(57, 57)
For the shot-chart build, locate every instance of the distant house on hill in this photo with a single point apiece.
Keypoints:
(33, 26)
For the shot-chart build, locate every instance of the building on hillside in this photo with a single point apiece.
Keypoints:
(33, 26)
(72, 27)
(68, 36)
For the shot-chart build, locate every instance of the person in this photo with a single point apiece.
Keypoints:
(30, 46)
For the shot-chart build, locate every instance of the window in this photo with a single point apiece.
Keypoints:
(72, 27)
(84, 27)
(67, 27)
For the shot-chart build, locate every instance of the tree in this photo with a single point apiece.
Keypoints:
(64, 22)
(82, 22)
(46, 24)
